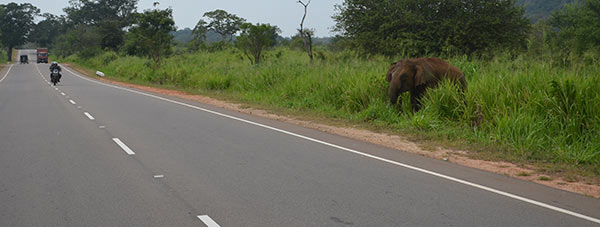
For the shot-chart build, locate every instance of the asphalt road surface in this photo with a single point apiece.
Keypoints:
(88, 154)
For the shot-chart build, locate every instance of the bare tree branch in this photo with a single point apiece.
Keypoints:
(304, 33)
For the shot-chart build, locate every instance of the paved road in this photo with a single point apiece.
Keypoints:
(84, 153)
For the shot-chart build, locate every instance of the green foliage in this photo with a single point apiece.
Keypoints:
(105, 19)
(255, 39)
(222, 22)
(16, 23)
(46, 31)
(81, 39)
(524, 106)
(111, 33)
(199, 32)
(575, 29)
(417, 28)
(94, 12)
(151, 36)
(537, 43)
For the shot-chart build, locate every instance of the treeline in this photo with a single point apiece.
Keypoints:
(405, 28)
(467, 27)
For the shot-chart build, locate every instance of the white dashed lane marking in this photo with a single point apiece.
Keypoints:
(208, 221)
(123, 146)
(89, 116)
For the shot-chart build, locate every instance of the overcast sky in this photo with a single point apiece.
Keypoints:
(286, 14)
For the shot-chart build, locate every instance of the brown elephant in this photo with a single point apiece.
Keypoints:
(418, 74)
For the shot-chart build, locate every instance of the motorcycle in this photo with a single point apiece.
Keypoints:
(55, 76)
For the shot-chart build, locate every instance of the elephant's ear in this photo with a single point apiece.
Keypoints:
(390, 72)
(423, 74)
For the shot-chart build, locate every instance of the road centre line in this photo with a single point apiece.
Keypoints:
(6, 74)
(457, 180)
(89, 116)
(62, 93)
(208, 221)
(72, 102)
(123, 146)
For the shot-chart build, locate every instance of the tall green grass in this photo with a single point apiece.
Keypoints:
(528, 108)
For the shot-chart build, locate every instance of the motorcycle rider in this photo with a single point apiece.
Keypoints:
(54, 65)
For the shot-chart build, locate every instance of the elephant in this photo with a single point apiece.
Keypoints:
(417, 74)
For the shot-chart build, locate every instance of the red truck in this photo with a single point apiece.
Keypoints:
(42, 55)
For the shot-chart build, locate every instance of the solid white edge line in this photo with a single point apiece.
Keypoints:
(208, 221)
(123, 146)
(485, 188)
(89, 116)
(6, 74)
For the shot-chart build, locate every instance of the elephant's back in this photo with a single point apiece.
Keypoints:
(445, 69)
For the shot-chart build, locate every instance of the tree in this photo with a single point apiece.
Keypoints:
(150, 34)
(223, 23)
(421, 27)
(537, 45)
(81, 39)
(93, 12)
(576, 27)
(16, 22)
(200, 30)
(306, 34)
(109, 16)
(255, 39)
(47, 30)
(198, 36)
(111, 33)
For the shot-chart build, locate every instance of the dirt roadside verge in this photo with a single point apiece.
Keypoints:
(392, 141)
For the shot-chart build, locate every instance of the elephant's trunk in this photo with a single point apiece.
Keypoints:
(394, 96)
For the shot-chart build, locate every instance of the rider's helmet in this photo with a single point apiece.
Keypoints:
(54, 63)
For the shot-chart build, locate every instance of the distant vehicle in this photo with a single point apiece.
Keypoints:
(24, 59)
(42, 55)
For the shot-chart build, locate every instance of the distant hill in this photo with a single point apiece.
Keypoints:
(185, 35)
(541, 9)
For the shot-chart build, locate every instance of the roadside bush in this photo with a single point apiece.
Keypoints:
(108, 57)
(88, 53)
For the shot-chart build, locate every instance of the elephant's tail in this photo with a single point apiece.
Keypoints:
(463, 83)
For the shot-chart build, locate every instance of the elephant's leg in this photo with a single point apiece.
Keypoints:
(415, 97)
